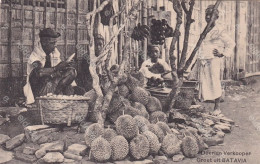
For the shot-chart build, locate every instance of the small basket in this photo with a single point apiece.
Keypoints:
(62, 111)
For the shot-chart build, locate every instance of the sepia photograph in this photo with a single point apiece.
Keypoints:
(129, 81)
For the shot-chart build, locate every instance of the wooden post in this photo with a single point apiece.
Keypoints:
(10, 42)
(76, 31)
(45, 14)
(237, 38)
(145, 22)
(22, 24)
(33, 30)
(66, 27)
(56, 14)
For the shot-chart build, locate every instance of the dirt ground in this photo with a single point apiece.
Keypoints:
(242, 104)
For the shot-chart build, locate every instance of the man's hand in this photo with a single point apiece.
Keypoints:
(217, 54)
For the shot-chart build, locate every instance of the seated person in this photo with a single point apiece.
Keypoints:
(46, 73)
(84, 78)
(155, 68)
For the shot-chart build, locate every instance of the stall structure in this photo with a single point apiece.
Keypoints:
(21, 21)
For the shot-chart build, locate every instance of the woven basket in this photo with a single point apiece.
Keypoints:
(62, 111)
(181, 102)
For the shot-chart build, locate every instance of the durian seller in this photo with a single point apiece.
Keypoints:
(215, 46)
(154, 67)
(46, 73)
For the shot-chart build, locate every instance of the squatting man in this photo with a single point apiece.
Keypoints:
(46, 73)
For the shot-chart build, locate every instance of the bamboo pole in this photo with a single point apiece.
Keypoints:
(237, 38)
(66, 28)
(56, 14)
(22, 27)
(10, 42)
(45, 14)
(145, 20)
(77, 31)
(33, 23)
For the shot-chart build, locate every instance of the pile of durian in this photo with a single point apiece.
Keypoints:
(140, 128)
(137, 138)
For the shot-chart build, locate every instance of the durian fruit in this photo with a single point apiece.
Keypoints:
(139, 147)
(132, 82)
(115, 114)
(122, 80)
(202, 145)
(126, 126)
(157, 131)
(139, 76)
(158, 116)
(131, 110)
(153, 105)
(198, 138)
(165, 128)
(109, 134)
(123, 90)
(140, 95)
(100, 149)
(92, 132)
(154, 143)
(115, 103)
(171, 145)
(189, 147)
(141, 107)
(142, 123)
(120, 148)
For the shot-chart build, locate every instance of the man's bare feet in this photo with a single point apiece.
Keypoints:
(216, 112)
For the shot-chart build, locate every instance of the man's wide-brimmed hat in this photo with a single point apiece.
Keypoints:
(49, 33)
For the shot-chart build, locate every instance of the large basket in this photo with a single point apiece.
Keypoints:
(161, 94)
(62, 111)
(183, 101)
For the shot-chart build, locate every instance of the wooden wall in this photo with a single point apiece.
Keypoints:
(253, 39)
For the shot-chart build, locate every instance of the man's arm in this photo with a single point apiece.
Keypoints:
(48, 71)
(166, 66)
(145, 70)
(228, 43)
(37, 66)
